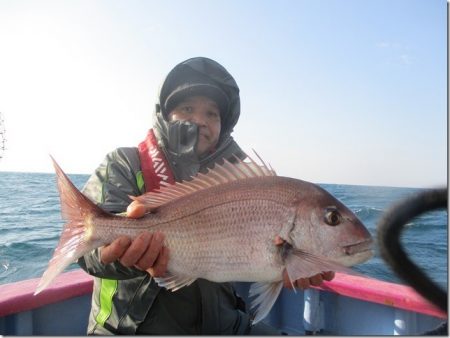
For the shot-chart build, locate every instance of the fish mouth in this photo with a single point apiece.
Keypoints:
(357, 253)
(358, 248)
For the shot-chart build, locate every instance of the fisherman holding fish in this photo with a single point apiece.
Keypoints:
(228, 220)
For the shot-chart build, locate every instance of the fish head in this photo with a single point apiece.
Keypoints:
(326, 227)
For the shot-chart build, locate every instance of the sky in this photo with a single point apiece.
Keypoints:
(344, 92)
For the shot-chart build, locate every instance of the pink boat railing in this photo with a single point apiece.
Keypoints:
(19, 297)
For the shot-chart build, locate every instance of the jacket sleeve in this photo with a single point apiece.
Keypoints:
(109, 187)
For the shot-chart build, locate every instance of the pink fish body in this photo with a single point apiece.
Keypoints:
(221, 226)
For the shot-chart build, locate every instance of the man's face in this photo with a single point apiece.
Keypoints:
(205, 113)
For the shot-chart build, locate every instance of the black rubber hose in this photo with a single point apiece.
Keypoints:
(389, 231)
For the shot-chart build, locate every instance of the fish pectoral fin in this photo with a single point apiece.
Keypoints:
(301, 264)
(266, 294)
(174, 283)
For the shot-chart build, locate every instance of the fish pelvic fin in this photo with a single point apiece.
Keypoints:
(220, 174)
(77, 236)
(265, 295)
(174, 283)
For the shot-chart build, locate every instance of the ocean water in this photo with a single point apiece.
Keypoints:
(30, 224)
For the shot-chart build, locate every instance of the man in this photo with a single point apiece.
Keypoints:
(198, 107)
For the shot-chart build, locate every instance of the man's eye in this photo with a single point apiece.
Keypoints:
(213, 114)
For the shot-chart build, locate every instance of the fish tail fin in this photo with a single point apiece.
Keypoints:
(74, 205)
(77, 235)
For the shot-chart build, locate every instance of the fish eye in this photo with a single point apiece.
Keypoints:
(332, 216)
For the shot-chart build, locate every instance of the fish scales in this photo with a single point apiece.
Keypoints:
(226, 232)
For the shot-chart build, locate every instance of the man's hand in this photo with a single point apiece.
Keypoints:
(146, 252)
(304, 283)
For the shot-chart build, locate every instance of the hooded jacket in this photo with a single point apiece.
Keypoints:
(178, 139)
(127, 300)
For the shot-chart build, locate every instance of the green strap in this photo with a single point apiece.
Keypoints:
(107, 290)
(140, 181)
(109, 286)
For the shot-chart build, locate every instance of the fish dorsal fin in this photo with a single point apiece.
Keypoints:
(220, 174)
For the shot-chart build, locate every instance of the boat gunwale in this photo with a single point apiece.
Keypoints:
(380, 292)
(19, 296)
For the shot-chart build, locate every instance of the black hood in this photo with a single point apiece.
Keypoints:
(183, 135)
(212, 72)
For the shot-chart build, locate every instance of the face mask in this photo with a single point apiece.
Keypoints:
(179, 139)
(182, 137)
